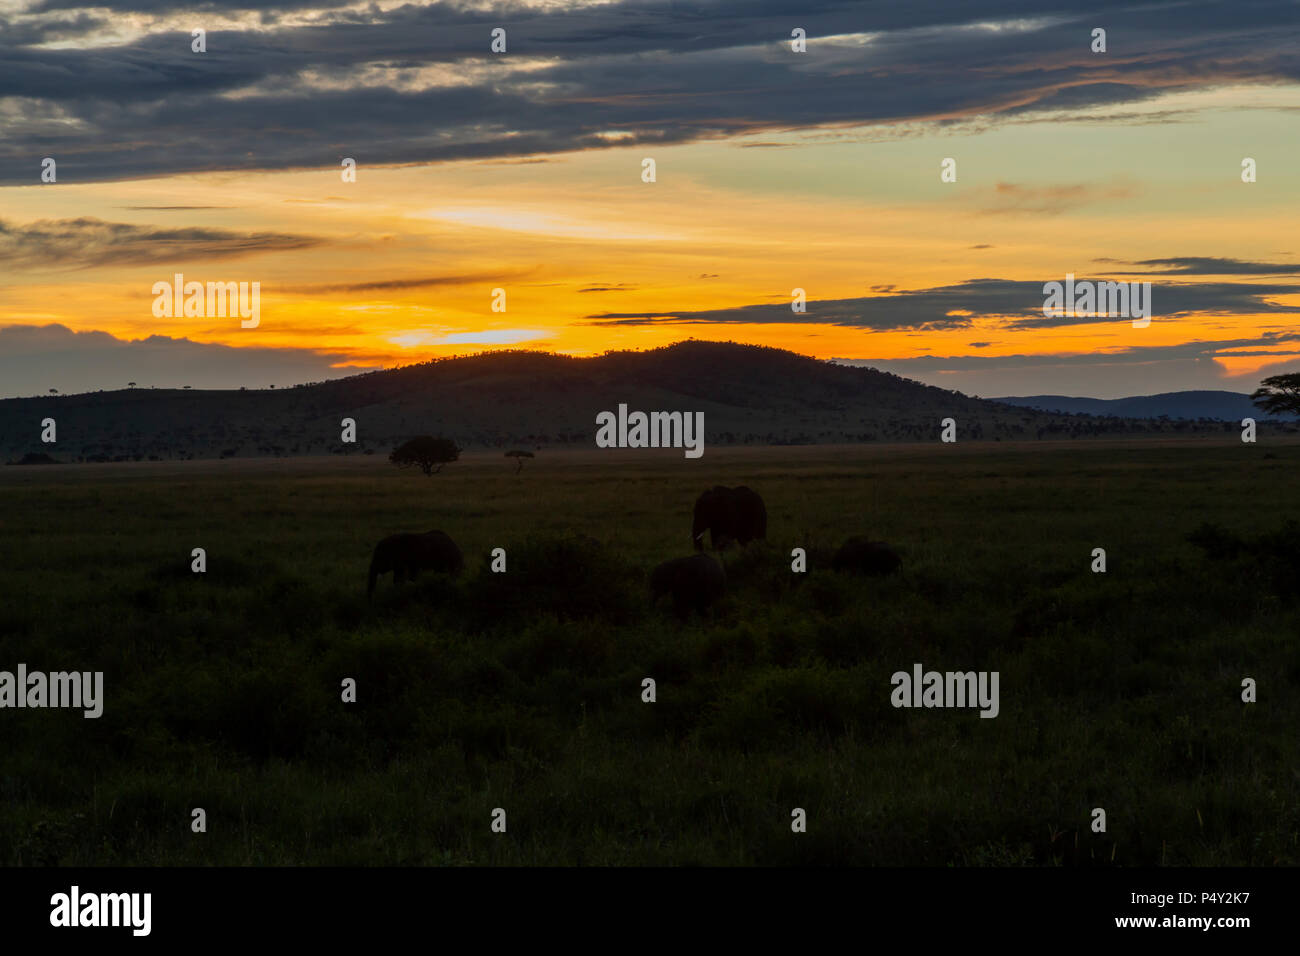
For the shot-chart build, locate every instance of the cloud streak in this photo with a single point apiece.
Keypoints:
(418, 282)
(89, 243)
(1018, 303)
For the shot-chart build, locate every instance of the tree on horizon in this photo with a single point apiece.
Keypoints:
(519, 456)
(425, 452)
(1278, 394)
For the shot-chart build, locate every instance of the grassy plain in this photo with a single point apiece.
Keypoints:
(523, 691)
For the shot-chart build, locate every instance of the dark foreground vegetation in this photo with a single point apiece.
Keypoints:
(523, 690)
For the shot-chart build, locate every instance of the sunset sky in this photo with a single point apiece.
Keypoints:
(774, 170)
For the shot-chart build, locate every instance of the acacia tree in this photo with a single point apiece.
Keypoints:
(1279, 395)
(429, 454)
(519, 456)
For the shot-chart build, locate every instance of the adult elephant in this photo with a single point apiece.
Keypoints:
(729, 514)
(406, 555)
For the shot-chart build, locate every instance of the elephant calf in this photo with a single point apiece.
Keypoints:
(866, 557)
(695, 583)
(406, 555)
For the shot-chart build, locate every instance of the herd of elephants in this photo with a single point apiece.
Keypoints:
(727, 515)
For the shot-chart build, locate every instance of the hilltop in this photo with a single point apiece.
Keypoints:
(749, 395)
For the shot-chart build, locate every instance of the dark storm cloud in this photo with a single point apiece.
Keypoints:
(957, 306)
(49, 29)
(201, 7)
(665, 73)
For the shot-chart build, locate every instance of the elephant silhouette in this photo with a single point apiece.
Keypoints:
(863, 556)
(695, 583)
(406, 555)
(729, 514)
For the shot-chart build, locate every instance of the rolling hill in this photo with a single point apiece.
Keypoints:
(748, 394)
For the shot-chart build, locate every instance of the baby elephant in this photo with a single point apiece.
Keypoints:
(866, 557)
(695, 583)
(408, 554)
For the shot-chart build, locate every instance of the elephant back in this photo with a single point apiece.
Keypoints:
(437, 550)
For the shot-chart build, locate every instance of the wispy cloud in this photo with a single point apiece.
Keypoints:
(1005, 199)
(1214, 266)
(88, 242)
(417, 282)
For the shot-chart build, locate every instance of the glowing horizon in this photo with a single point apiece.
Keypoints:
(401, 265)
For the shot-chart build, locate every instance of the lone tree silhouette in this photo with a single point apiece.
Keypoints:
(425, 451)
(519, 456)
(1278, 394)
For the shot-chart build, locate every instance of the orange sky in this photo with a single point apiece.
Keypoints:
(400, 265)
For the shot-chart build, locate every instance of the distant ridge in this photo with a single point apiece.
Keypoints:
(749, 394)
(1190, 405)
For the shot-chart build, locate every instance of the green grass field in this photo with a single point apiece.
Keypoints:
(222, 690)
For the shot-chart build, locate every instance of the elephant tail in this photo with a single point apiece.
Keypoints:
(374, 574)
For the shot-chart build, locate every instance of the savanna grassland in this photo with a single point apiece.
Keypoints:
(523, 690)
